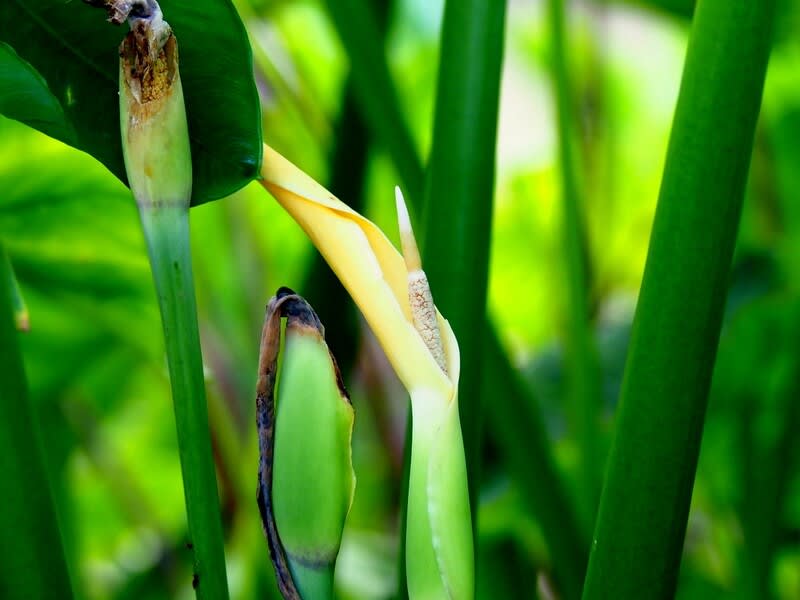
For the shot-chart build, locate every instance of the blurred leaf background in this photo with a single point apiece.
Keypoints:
(94, 355)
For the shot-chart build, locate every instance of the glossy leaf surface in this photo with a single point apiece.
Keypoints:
(75, 51)
(28, 520)
(26, 97)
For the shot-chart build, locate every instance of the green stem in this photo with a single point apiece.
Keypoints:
(459, 191)
(402, 573)
(166, 230)
(583, 374)
(645, 502)
(32, 563)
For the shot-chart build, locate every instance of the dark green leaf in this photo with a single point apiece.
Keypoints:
(33, 563)
(75, 50)
(24, 96)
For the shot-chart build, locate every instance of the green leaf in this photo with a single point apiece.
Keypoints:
(73, 235)
(33, 564)
(75, 50)
(24, 96)
(641, 524)
(76, 244)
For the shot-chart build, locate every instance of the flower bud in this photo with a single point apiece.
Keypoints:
(306, 478)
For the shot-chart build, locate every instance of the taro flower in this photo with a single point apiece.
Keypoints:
(305, 476)
(393, 296)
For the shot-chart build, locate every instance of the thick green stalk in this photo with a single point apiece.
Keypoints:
(459, 190)
(32, 565)
(583, 374)
(360, 32)
(155, 145)
(645, 502)
(166, 231)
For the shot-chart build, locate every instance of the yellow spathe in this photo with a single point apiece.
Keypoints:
(370, 268)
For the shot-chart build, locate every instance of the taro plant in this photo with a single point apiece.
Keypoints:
(393, 294)
(158, 164)
(499, 488)
(150, 147)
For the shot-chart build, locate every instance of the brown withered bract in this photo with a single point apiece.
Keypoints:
(265, 423)
(149, 52)
(302, 319)
(148, 79)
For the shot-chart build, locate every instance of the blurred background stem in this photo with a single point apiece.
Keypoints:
(361, 28)
(769, 455)
(521, 426)
(33, 564)
(583, 372)
(645, 502)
